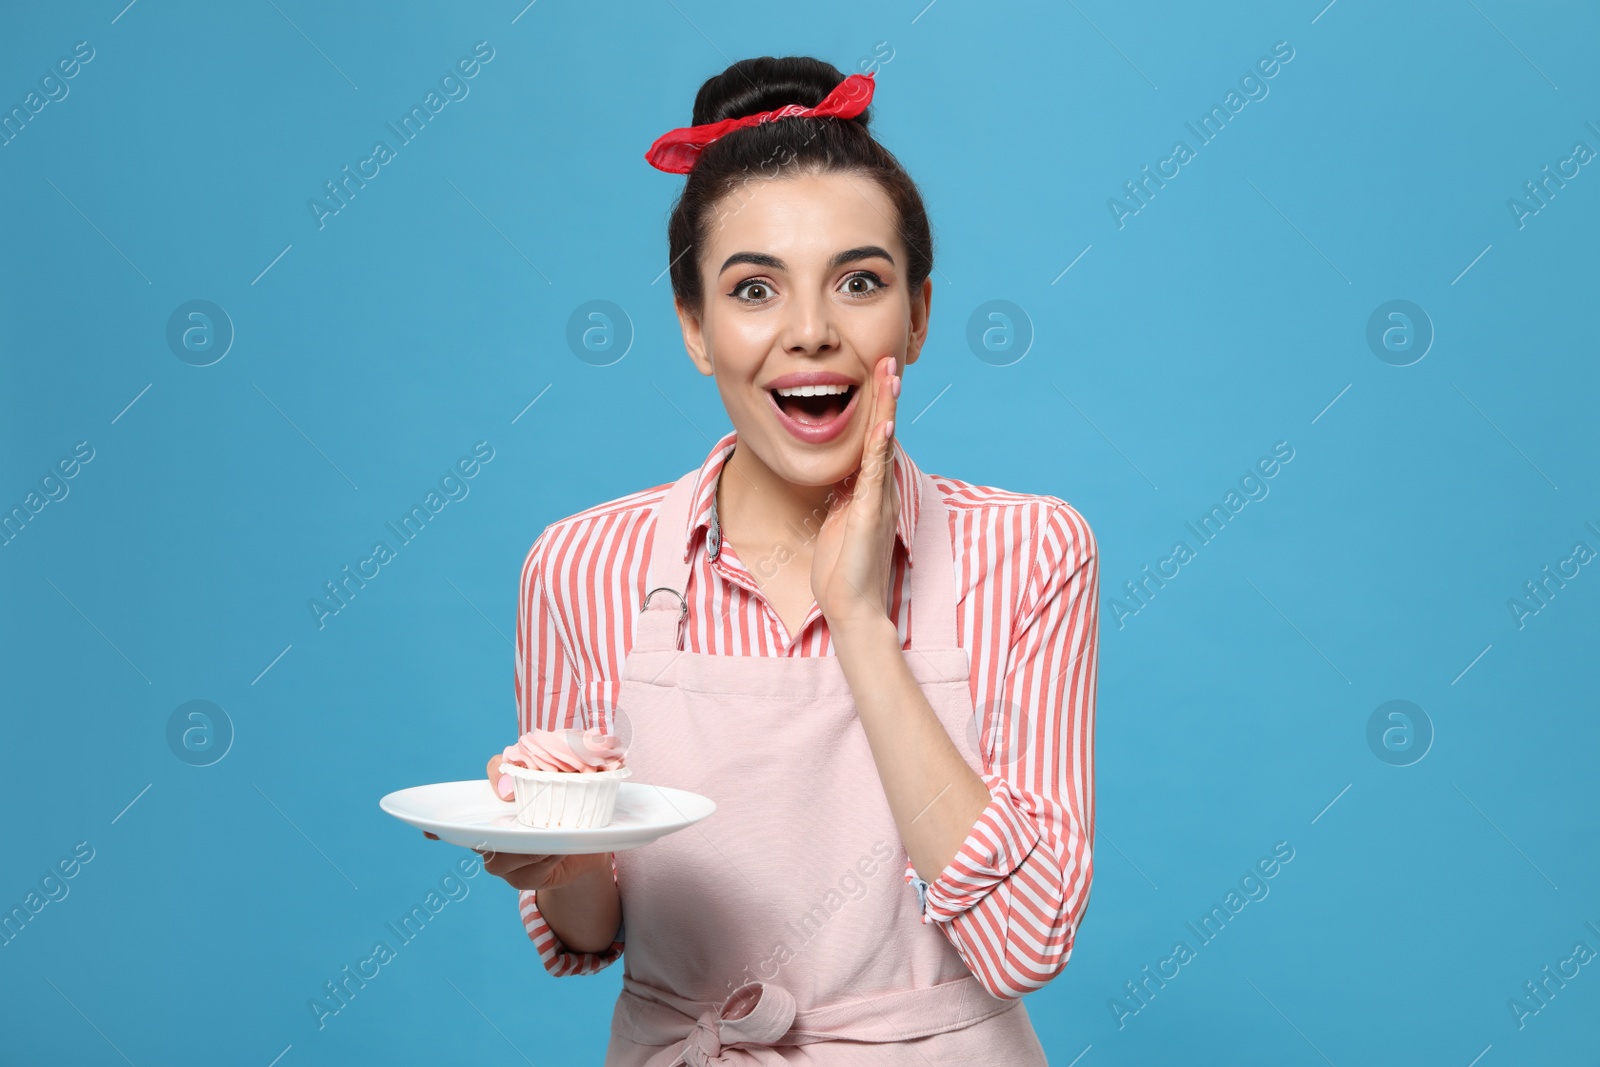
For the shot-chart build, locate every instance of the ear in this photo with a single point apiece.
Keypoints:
(921, 305)
(693, 337)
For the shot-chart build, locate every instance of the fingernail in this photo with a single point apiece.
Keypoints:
(894, 385)
(505, 787)
(888, 429)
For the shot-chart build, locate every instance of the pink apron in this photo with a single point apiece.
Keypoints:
(780, 929)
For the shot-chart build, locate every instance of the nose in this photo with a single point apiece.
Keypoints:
(808, 326)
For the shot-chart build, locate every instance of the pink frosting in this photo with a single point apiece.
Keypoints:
(573, 751)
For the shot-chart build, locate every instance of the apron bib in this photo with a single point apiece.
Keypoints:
(780, 929)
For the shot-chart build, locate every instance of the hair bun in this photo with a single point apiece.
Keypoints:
(752, 86)
(763, 151)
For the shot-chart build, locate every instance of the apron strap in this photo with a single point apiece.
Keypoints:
(665, 606)
(763, 1014)
(933, 595)
(933, 577)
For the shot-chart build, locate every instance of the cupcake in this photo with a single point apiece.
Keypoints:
(565, 779)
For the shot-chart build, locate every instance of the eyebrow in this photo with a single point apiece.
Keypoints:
(762, 259)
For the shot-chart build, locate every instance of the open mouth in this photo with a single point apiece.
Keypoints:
(815, 414)
(815, 405)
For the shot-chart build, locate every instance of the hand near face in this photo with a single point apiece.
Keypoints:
(854, 553)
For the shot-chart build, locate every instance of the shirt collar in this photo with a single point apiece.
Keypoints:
(703, 509)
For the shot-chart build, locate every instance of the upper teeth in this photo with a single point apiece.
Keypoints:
(813, 390)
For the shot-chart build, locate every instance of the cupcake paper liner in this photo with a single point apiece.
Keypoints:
(568, 800)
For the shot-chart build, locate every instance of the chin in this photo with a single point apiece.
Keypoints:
(798, 464)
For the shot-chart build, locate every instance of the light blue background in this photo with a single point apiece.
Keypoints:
(1224, 317)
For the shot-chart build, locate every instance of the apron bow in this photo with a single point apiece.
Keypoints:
(757, 1013)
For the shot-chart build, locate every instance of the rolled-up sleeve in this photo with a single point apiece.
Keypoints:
(1012, 898)
(548, 697)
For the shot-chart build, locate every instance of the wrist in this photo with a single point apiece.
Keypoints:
(597, 871)
(581, 889)
(864, 638)
(587, 875)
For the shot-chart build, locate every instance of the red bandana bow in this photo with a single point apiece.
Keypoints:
(676, 151)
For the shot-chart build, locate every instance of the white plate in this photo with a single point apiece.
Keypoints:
(471, 815)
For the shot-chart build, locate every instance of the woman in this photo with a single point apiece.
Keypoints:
(885, 680)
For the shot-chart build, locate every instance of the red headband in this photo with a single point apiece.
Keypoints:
(676, 151)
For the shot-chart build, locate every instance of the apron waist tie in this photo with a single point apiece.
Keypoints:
(764, 1013)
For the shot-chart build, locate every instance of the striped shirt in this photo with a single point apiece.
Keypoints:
(1027, 591)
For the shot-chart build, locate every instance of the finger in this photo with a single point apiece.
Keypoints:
(891, 405)
(535, 876)
(889, 492)
(877, 454)
(502, 864)
(895, 383)
(493, 771)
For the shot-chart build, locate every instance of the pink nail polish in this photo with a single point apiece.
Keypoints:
(894, 385)
(888, 429)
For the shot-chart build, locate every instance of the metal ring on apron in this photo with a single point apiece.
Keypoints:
(683, 611)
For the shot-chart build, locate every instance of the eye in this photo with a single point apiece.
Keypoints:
(864, 276)
(762, 291)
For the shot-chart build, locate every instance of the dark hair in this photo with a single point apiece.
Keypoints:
(786, 146)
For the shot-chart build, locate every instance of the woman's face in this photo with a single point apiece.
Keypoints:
(804, 276)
